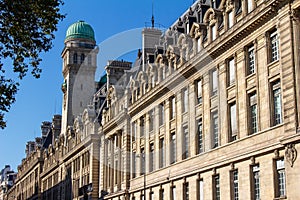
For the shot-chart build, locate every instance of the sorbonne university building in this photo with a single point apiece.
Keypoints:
(208, 111)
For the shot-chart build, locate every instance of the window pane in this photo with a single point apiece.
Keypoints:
(231, 69)
(233, 121)
(215, 129)
(230, 19)
(251, 60)
(253, 113)
(214, 82)
(173, 148)
(185, 100)
(185, 143)
(173, 107)
(199, 91)
(200, 136)
(281, 178)
(274, 46)
(213, 32)
(217, 188)
(277, 103)
(201, 191)
(161, 114)
(256, 187)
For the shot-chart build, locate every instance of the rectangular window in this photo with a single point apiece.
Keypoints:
(253, 113)
(185, 100)
(234, 184)
(274, 51)
(214, 83)
(151, 119)
(230, 19)
(277, 116)
(142, 127)
(231, 72)
(233, 122)
(185, 143)
(251, 59)
(249, 6)
(186, 191)
(200, 190)
(142, 161)
(133, 164)
(173, 148)
(161, 152)
(216, 187)
(198, 45)
(255, 183)
(199, 91)
(161, 114)
(161, 194)
(215, 129)
(280, 178)
(173, 107)
(89, 59)
(213, 32)
(151, 195)
(151, 158)
(173, 193)
(200, 137)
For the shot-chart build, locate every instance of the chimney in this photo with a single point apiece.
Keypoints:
(56, 127)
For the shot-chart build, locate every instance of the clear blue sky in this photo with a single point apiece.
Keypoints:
(39, 99)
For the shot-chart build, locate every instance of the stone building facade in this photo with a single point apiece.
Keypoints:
(215, 114)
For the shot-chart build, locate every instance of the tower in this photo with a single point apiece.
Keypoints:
(79, 65)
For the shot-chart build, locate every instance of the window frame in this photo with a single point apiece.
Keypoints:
(252, 103)
(275, 95)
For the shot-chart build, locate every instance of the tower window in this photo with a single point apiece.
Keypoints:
(82, 58)
(75, 58)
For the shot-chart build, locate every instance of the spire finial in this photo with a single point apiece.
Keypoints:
(152, 19)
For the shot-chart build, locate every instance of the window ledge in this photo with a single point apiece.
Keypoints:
(275, 62)
(282, 197)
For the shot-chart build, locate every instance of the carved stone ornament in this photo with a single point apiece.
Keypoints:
(291, 154)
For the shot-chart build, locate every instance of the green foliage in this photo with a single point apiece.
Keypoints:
(26, 30)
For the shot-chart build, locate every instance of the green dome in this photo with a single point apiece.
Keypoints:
(80, 30)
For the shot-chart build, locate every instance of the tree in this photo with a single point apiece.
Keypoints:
(26, 30)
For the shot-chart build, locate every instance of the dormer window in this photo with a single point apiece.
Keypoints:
(213, 32)
(230, 19)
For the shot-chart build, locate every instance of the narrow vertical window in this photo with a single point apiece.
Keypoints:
(81, 58)
(233, 122)
(214, 82)
(213, 32)
(234, 185)
(151, 119)
(215, 129)
(185, 143)
(173, 193)
(161, 114)
(186, 191)
(255, 183)
(274, 46)
(142, 161)
(75, 58)
(198, 45)
(249, 5)
(173, 148)
(173, 107)
(231, 72)
(161, 194)
(253, 113)
(216, 187)
(200, 190)
(251, 59)
(151, 195)
(230, 19)
(199, 91)
(199, 137)
(185, 100)
(280, 178)
(161, 152)
(151, 158)
(277, 116)
(133, 164)
(89, 59)
(142, 127)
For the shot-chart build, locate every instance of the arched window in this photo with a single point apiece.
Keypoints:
(75, 58)
(82, 58)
